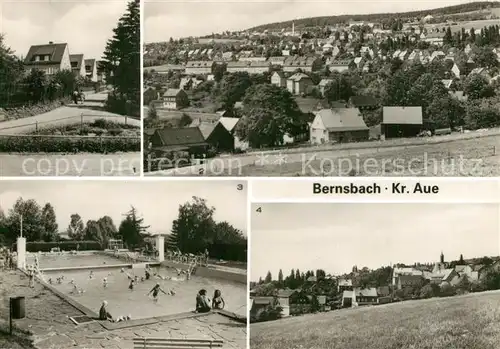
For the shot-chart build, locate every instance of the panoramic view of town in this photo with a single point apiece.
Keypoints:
(412, 93)
(70, 89)
(125, 271)
(334, 281)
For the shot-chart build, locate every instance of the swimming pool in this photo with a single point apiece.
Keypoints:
(122, 301)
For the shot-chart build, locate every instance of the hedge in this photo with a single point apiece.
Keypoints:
(63, 245)
(47, 144)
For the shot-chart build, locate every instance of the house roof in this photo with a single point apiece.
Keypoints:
(285, 293)
(366, 292)
(298, 77)
(342, 119)
(180, 136)
(363, 101)
(206, 128)
(55, 51)
(78, 58)
(403, 115)
(408, 278)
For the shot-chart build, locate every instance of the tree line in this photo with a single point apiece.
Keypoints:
(194, 230)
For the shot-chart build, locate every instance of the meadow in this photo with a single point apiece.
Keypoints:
(462, 322)
(460, 158)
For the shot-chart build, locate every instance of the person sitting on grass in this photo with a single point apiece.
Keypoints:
(202, 302)
(218, 301)
(103, 312)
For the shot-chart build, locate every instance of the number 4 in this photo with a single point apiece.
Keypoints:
(259, 209)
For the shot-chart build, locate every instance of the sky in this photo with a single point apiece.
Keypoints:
(335, 237)
(156, 201)
(169, 18)
(84, 25)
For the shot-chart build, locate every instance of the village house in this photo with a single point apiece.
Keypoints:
(322, 84)
(261, 304)
(401, 122)
(305, 64)
(338, 125)
(230, 125)
(397, 272)
(77, 65)
(409, 281)
(171, 140)
(100, 71)
(298, 83)
(175, 99)
(249, 67)
(199, 67)
(277, 60)
(50, 58)
(215, 135)
(359, 297)
(278, 79)
(189, 83)
(91, 69)
(363, 102)
(344, 284)
(340, 66)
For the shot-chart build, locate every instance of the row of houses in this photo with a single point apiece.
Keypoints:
(294, 302)
(54, 57)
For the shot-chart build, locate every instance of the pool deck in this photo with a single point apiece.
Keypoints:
(47, 318)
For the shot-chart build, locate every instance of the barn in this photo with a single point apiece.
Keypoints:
(338, 125)
(401, 122)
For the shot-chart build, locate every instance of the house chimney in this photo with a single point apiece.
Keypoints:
(51, 42)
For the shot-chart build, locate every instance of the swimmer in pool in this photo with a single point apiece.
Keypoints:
(105, 282)
(131, 285)
(155, 291)
(50, 281)
(122, 270)
(91, 275)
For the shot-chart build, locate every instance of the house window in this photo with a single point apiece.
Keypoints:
(37, 58)
(46, 58)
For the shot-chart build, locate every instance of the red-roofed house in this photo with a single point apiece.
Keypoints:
(338, 125)
(50, 58)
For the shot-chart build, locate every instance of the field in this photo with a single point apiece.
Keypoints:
(462, 322)
(453, 155)
(474, 157)
(467, 25)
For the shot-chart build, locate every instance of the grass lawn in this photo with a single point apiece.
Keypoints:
(462, 322)
(479, 157)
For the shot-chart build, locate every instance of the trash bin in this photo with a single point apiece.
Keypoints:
(17, 306)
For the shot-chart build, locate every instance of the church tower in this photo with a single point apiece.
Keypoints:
(442, 257)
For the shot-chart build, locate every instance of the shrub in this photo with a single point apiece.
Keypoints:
(115, 131)
(10, 144)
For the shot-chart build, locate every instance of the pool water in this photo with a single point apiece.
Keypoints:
(68, 260)
(136, 302)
